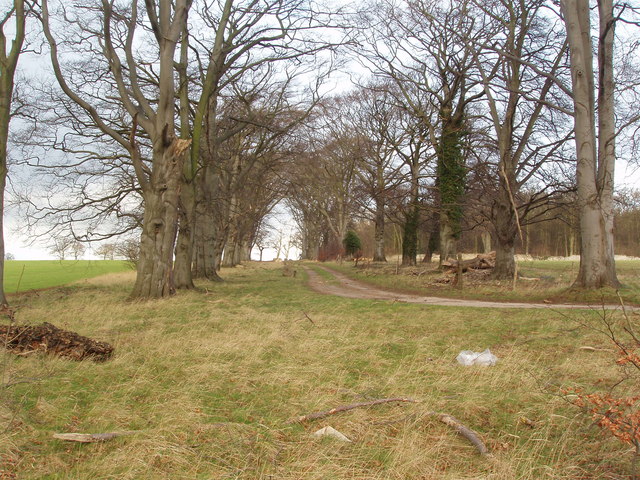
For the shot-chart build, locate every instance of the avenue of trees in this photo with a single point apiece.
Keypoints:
(182, 125)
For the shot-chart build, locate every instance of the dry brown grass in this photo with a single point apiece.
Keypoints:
(210, 380)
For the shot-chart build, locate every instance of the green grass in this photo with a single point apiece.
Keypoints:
(209, 381)
(20, 276)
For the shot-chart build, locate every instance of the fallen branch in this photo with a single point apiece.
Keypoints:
(463, 430)
(90, 437)
(445, 418)
(345, 408)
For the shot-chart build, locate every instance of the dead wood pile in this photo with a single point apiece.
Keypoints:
(25, 339)
(481, 262)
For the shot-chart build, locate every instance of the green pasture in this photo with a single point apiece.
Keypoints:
(20, 275)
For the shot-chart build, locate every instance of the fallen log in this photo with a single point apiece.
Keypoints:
(47, 338)
(480, 262)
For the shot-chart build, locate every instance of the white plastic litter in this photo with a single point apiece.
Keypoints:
(331, 432)
(486, 358)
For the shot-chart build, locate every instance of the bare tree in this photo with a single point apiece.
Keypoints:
(107, 251)
(149, 100)
(8, 64)
(61, 246)
(374, 115)
(252, 42)
(77, 249)
(523, 109)
(595, 139)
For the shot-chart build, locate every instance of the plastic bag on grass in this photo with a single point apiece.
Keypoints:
(486, 358)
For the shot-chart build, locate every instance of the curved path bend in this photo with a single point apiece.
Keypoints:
(349, 288)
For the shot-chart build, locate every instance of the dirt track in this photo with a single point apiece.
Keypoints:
(344, 286)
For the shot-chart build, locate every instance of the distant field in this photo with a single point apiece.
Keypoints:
(50, 273)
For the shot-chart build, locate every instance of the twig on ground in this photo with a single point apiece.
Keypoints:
(90, 437)
(308, 318)
(345, 408)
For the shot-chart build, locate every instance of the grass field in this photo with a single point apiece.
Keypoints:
(209, 380)
(38, 274)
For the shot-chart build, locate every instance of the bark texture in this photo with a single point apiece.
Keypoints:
(378, 248)
(595, 151)
(154, 277)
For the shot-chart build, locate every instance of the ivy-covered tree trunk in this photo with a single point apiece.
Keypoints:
(451, 176)
(410, 235)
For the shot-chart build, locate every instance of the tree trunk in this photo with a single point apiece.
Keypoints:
(595, 167)
(505, 234)
(184, 245)
(3, 180)
(378, 249)
(451, 174)
(228, 257)
(447, 238)
(206, 232)
(433, 242)
(486, 241)
(410, 237)
(245, 251)
(5, 98)
(159, 227)
(8, 63)
(505, 268)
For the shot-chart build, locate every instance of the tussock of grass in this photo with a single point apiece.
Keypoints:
(210, 380)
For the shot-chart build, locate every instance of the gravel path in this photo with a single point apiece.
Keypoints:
(343, 286)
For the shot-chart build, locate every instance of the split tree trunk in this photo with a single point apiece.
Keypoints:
(159, 228)
(184, 245)
(596, 159)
